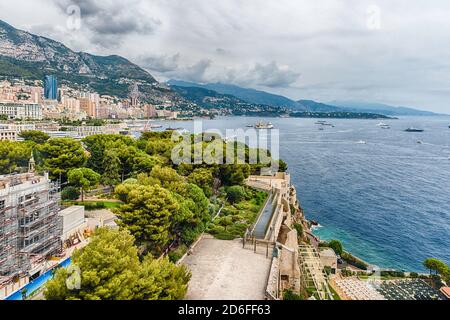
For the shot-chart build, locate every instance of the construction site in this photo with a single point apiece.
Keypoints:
(30, 227)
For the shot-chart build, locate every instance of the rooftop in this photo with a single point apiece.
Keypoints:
(446, 291)
(328, 253)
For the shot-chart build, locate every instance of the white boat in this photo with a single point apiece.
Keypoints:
(361, 142)
(384, 125)
(262, 125)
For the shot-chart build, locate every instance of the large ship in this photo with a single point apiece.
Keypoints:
(414, 130)
(262, 125)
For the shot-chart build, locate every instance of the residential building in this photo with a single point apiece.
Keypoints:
(21, 110)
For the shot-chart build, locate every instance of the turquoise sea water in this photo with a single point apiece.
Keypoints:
(388, 200)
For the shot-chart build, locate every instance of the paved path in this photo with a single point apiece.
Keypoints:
(223, 270)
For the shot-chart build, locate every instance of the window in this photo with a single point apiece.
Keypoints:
(2, 204)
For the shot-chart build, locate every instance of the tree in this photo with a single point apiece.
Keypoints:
(83, 178)
(204, 179)
(234, 174)
(110, 269)
(435, 265)
(283, 166)
(336, 246)
(162, 280)
(62, 155)
(97, 145)
(13, 155)
(35, 136)
(111, 164)
(70, 193)
(236, 194)
(149, 214)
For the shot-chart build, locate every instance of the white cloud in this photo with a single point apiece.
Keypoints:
(375, 50)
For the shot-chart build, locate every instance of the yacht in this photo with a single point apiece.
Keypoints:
(361, 142)
(414, 130)
(174, 129)
(384, 125)
(262, 125)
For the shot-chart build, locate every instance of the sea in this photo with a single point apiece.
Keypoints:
(384, 193)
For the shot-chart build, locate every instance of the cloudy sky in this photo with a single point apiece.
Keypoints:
(388, 51)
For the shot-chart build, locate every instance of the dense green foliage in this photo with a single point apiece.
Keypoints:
(70, 193)
(110, 269)
(439, 267)
(62, 155)
(336, 246)
(163, 208)
(354, 261)
(235, 194)
(83, 178)
(13, 155)
(35, 136)
(237, 217)
(299, 228)
(290, 295)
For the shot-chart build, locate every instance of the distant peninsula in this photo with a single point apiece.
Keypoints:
(339, 115)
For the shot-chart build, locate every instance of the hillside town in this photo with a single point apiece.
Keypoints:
(48, 100)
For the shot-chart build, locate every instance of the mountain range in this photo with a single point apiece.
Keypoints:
(379, 107)
(29, 56)
(265, 98)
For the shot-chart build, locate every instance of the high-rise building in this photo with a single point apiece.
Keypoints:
(50, 87)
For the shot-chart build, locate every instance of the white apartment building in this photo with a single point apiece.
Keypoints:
(21, 110)
(12, 131)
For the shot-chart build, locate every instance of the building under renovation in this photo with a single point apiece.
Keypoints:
(30, 228)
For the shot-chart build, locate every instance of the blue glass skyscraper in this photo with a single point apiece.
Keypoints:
(50, 88)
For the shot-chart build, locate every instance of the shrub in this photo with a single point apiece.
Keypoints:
(299, 229)
(354, 261)
(290, 295)
(236, 194)
(88, 206)
(70, 193)
(336, 246)
(178, 253)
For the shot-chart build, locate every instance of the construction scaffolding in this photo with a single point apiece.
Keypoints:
(30, 228)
